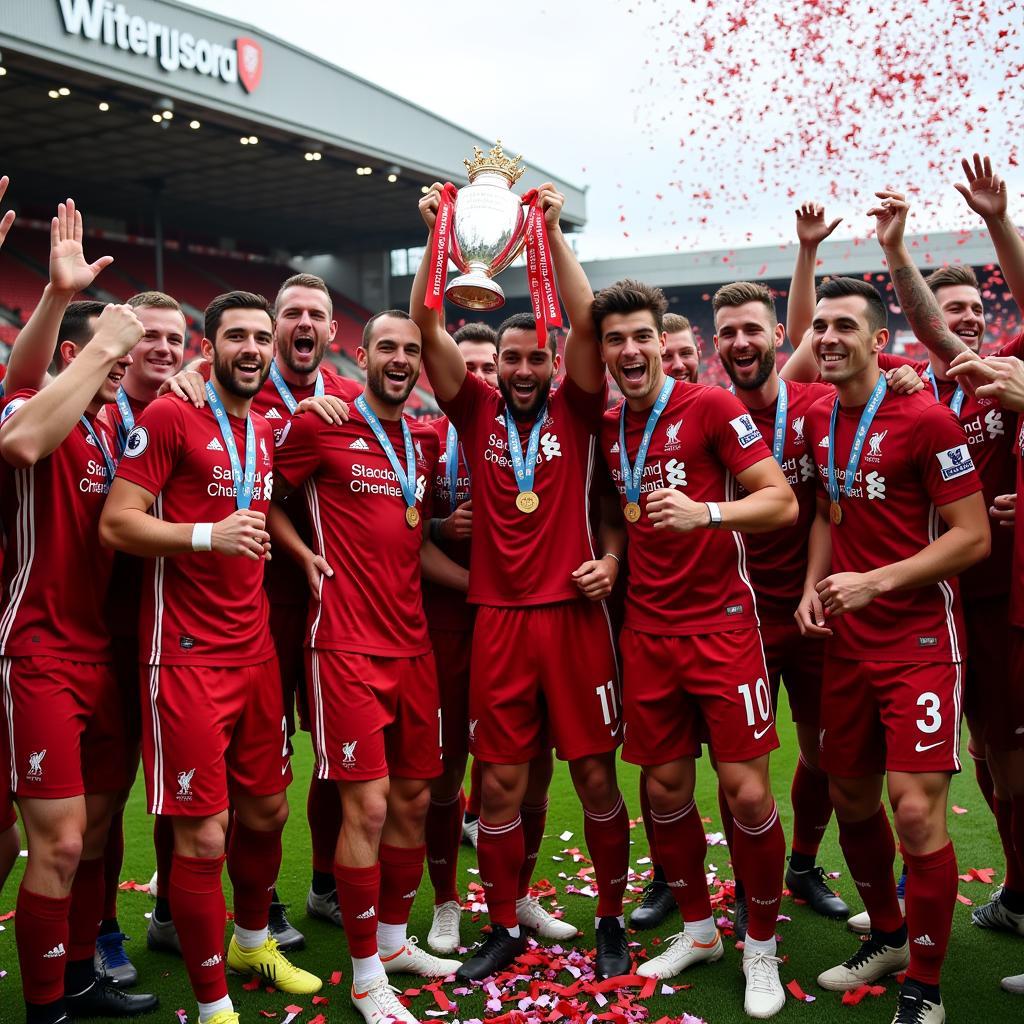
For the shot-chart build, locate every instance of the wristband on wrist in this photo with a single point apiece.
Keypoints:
(715, 513)
(202, 537)
(611, 554)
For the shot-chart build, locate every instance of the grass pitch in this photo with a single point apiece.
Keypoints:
(971, 992)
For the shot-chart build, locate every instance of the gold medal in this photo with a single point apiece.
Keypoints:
(527, 501)
(835, 513)
(631, 511)
(412, 517)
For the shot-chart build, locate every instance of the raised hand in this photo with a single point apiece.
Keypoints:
(890, 218)
(551, 202)
(8, 218)
(429, 203)
(119, 327)
(811, 229)
(985, 192)
(69, 271)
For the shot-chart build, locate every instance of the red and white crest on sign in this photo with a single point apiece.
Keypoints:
(250, 62)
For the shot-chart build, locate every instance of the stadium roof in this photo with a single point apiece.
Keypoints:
(64, 58)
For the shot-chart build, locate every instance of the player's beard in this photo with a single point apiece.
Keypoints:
(764, 371)
(288, 355)
(224, 370)
(528, 413)
(375, 382)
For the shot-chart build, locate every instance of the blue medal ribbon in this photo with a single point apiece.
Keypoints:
(781, 412)
(956, 402)
(858, 441)
(452, 450)
(286, 392)
(632, 478)
(407, 477)
(524, 468)
(125, 408)
(98, 441)
(244, 482)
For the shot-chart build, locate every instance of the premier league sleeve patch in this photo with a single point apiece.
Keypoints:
(137, 442)
(746, 430)
(12, 406)
(955, 462)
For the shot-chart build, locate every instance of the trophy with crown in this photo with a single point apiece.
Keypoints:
(488, 229)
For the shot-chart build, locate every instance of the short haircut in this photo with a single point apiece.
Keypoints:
(524, 322)
(304, 281)
(76, 326)
(741, 292)
(673, 323)
(948, 276)
(629, 296)
(232, 300)
(397, 314)
(478, 331)
(155, 300)
(840, 287)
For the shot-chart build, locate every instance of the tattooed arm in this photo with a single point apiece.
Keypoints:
(919, 305)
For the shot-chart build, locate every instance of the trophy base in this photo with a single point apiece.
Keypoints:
(475, 291)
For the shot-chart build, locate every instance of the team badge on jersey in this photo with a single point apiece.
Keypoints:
(746, 430)
(11, 407)
(955, 462)
(137, 442)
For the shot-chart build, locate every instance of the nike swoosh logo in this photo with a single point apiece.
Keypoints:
(615, 731)
(931, 746)
(758, 735)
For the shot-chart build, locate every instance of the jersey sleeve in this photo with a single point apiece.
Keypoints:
(732, 432)
(12, 404)
(1014, 348)
(462, 409)
(154, 446)
(887, 361)
(943, 456)
(588, 407)
(297, 455)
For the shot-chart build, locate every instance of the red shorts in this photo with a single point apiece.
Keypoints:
(451, 657)
(207, 732)
(898, 716)
(543, 671)
(798, 661)
(374, 717)
(994, 676)
(66, 726)
(675, 685)
(288, 630)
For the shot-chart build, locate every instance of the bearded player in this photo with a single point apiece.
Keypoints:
(376, 716)
(212, 711)
(543, 668)
(880, 588)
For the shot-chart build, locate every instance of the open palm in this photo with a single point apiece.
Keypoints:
(985, 192)
(69, 271)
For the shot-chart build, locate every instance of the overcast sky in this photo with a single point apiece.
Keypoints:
(700, 123)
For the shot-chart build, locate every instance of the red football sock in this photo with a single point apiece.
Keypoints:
(870, 852)
(500, 852)
(254, 859)
(681, 835)
(534, 819)
(812, 808)
(113, 858)
(760, 857)
(475, 786)
(931, 897)
(443, 834)
(1017, 831)
(1004, 813)
(163, 845)
(401, 869)
(41, 935)
(645, 813)
(323, 811)
(607, 837)
(197, 903)
(358, 892)
(87, 895)
(984, 777)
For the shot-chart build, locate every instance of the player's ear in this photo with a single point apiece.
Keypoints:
(362, 357)
(881, 339)
(68, 350)
(206, 347)
(780, 335)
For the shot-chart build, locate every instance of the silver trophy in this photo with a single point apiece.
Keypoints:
(488, 230)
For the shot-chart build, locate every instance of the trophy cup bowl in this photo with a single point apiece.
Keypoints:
(488, 230)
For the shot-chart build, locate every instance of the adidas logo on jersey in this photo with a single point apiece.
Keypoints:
(410, 895)
(214, 446)
(272, 414)
(823, 443)
(57, 951)
(359, 445)
(614, 448)
(213, 961)
(367, 914)
(924, 940)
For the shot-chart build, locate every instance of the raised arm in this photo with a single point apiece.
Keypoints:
(919, 305)
(811, 231)
(46, 419)
(985, 194)
(69, 274)
(441, 356)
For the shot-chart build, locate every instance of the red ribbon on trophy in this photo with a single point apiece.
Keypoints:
(547, 312)
(439, 254)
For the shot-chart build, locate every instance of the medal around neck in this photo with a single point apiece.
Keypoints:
(835, 510)
(406, 477)
(525, 467)
(632, 476)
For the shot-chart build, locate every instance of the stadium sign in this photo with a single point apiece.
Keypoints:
(110, 24)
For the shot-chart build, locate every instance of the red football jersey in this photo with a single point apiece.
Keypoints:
(521, 559)
(447, 608)
(915, 458)
(778, 560)
(682, 584)
(199, 608)
(373, 603)
(55, 571)
(990, 437)
(283, 579)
